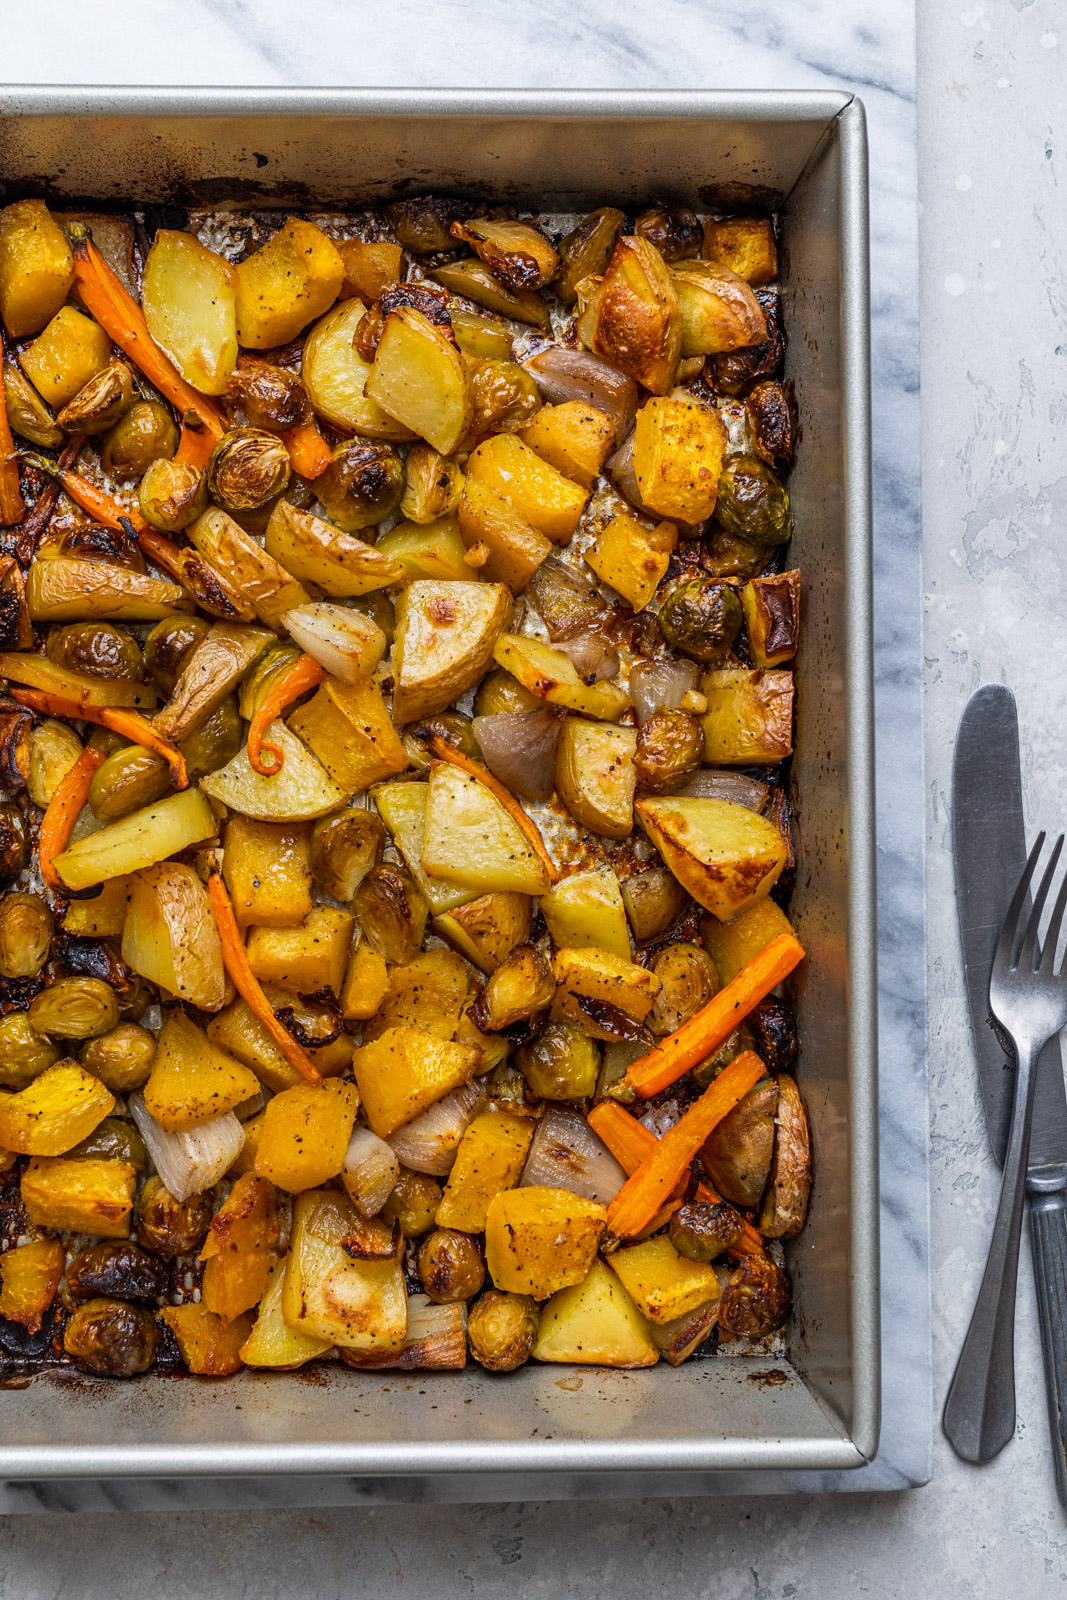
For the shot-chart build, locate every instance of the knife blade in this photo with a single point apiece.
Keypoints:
(989, 851)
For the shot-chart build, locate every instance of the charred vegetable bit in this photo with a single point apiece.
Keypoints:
(396, 645)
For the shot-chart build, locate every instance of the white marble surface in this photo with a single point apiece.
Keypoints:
(991, 97)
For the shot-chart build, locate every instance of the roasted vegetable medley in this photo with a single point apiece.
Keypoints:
(396, 651)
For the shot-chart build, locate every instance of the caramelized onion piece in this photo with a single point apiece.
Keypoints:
(577, 375)
(591, 656)
(661, 685)
(519, 748)
(567, 1154)
(734, 786)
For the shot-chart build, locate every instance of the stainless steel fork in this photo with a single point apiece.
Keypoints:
(1028, 997)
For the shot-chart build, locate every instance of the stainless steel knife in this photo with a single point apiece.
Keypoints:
(989, 849)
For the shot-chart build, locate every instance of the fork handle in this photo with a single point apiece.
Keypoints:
(979, 1415)
(1048, 1246)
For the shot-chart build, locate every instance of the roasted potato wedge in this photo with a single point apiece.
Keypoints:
(189, 299)
(444, 641)
(63, 590)
(551, 676)
(719, 311)
(247, 566)
(474, 280)
(302, 790)
(169, 936)
(403, 810)
(138, 841)
(737, 1155)
(595, 775)
(632, 317)
(772, 615)
(488, 928)
(471, 840)
(316, 552)
(335, 376)
(726, 856)
(595, 1323)
(749, 720)
(420, 379)
(516, 253)
(587, 909)
(785, 1201)
(428, 550)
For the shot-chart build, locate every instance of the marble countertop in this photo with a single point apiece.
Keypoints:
(990, 91)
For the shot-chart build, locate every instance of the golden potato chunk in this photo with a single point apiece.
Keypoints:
(663, 1284)
(348, 728)
(189, 299)
(272, 1343)
(552, 676)
(678, 452)
(631, 557)
(542, 496)
(246, 565)
(36, 267)
(428, 550)
(487, 929)
(404, 1071)
(594, 986)
(420, 378)
(402, 807)
(445, 633)
(306, 959)
(586, 910)
(574, 438)
(359, 1305)
(302, 790)
(745, 245)
(595, 775)
(139, 840)
(63, 358)
(749, 720)
(631, 316)
(472, 840)
(169, 935)
(538, 1241)
(719, 310)
(192, 1080)
(290, 281)
(335, 376)
(62, 589)
(54, 1112)
(595, 1323)
(726, 856)
(313, 550)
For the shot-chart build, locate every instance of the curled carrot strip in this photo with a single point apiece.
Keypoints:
(308, 450)
(712, 1025)
(57, 824)
(304, 674)
(130, 724)
(646, 1190)
(122, 319)
(100, 505)
(630, 1142)
(524, 823)
(235, 959)
(12, 505)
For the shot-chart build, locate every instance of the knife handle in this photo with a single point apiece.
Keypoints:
(1048, 1246)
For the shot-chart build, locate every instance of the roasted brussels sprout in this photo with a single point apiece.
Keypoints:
(701, 1230)
(101, 403)
(450, 1266)
(111, 1339)
(392, 913)
(499, 691)
(413, 1203)
(422, 225)
(217, 742)
(170, 1227)
(505, 397)
(112, 1140)
(24, 1053)
(131, 778)
(12, 842)
(363, 483)
(25, 935)
(756, 1300)
(586, 250)
(97, 649)
(118, 1269)
(727, 557)
(172, 494)
(248, 469)
(452, 726)
(344, 848)
(74, 1008)
(145, 433)
(270, 397)
(752, 504)
(433, 484)
(27, 413)
(560, 1064)
(737, 1153)
(169, 645)
(774, 1034)
(502, 1330)
(772, 420)
(737, 370)
(567, 603)
(654, 900)
(689, 981)
(122, 1059)
(670, 747)
(54, 748)
(701, 617)
(674, 231)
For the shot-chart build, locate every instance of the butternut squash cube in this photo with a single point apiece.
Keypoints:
(486, 930)
(574, 438)
(509, 548)
(547, 500)
(745, 245)
(586, 910)
(733, 944)
(80, 1196)
(305, 959)
(490, 1159)
(679, 446)
(359, 1305)
(472, 840)
(366, 983)
(169, 935)
(305, 1135)
(272, 1343)
(371, 267)
(420, 378)
(348, 728)
(102, 917)
(663, 1284)
(595, 1324)
(749, 720)
(429, 992)
(31, 1274)
(36, 267)
(724, 855)
(209, 1346)
(234, 1281)
(445, 632)
(293, 279)
(631, 557)
(404, 1071)
(192, 1081)
(246, 1221)
(267, 869)
(239, 1032)
(54, 1112)
(63, 358)
(604, 980)
(538, 1241)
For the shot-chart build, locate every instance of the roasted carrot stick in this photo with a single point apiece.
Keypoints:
(630, 1142)
(12, 505)
(122, 319)
(650, 1186)
(304, 674)
(247, 984)
(100, 505)
(57, 824)
(130, 724)
(712, 1025)
(308, 450)
(524, 823)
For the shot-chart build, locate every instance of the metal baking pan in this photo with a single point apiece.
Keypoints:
(803, 155)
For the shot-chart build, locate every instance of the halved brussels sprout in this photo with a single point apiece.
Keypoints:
(145, 433)
(101, 403)
(654, 900)
(12, 841)
(701, 617)
(248, 468)
(169, 646)
(27, 413)
(172, 1227)
(111, 1339)
(752, 504)
(363, 484)
(673, 230)
(24, 1053)
(502, 1330)
(74, 1008)
(689, 981)
(702, 1229)
(345, 847)
(560, 1064)
(25, 935)
(271, 397)
(172, 494)
(97, 649)
(451, 1266)
(756, 1300)
(586, 250)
